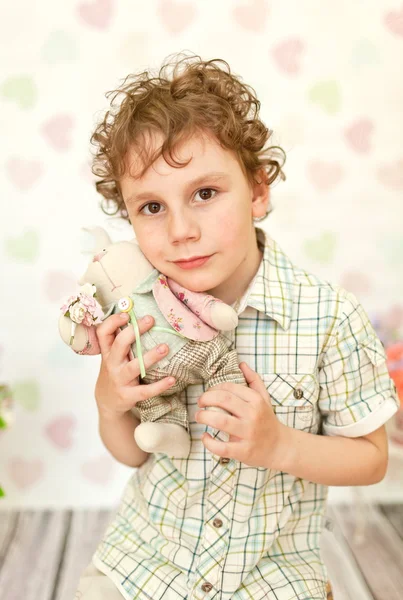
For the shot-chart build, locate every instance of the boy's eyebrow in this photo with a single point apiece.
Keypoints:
(216, 175)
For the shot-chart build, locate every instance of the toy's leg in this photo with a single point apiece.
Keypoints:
(166, 407)
(164, 423)
(169, 438)
(225, 369)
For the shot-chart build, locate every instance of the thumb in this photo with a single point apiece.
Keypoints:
(254, 380)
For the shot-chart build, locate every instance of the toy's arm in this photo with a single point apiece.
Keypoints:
(78, 318)
(211, 310)
(85, 339)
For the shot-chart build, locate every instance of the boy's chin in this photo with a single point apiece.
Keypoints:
(195, 282)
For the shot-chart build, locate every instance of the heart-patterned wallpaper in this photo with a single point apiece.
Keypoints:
(329, 79)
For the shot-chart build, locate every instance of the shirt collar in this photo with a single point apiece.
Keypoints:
(271, 290)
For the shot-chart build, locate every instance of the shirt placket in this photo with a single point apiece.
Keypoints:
(217, 527)
(218, 519)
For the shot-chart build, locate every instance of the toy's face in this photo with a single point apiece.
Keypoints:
(116, 270)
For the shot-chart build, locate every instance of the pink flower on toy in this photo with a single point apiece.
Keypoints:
(83, 309)
(70, 300)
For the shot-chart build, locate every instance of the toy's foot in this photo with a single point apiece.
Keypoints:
(224, 316)
(168, 438)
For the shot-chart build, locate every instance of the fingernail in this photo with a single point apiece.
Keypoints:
(147, 319)
(123, 316)
(161, 348)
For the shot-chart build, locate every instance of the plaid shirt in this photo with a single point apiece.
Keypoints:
(211, 528)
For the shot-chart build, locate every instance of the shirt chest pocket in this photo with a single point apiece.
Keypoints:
(294, 398)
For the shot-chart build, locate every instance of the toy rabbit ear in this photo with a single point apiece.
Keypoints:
(101, 237)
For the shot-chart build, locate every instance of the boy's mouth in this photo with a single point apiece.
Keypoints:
(193, 262)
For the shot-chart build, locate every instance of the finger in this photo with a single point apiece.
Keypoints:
(221, 421)
(131, 370)
(254, 380)
(239, 390)
(108, 329)
(124, 340)
(233, 404)
(147, 390)
(227, 449)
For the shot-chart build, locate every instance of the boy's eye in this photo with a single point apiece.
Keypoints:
(203, 197)
(154, 205)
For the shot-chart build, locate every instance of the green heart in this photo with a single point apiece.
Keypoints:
(327, 95)
(24, 248)
(321, 249)
(21, 90)
(59, 47)
(364, 53)
(27, 394)
(392, 247)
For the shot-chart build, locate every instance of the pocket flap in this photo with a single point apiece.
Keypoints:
(292, 389)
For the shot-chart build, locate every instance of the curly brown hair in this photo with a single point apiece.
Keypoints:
(204, 97)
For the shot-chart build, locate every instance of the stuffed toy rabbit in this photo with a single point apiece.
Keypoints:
(119, 278)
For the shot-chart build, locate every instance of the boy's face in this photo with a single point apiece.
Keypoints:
(177, 218)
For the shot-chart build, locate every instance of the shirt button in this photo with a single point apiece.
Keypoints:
(298, 393)
(224, 460)
(217, 523)
(206, 587)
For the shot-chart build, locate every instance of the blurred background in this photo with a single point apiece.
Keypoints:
(328, 76)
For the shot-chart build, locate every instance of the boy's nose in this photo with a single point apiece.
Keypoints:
(183, 226)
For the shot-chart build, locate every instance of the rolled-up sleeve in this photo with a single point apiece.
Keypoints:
(357, 394)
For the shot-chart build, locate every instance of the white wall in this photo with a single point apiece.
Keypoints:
(329, 78)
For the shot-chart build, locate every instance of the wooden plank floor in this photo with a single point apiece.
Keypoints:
(42, 553)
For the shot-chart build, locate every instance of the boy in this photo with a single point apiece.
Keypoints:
(241, 517)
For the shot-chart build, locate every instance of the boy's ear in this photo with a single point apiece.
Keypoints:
(260, 194)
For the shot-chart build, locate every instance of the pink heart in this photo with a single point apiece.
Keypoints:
(23, 173)
(358, 135)
(393, 318)
(391, 176)
(60, 430)
(176, 16)
(394, 22)
(287, 55)
(97, 13)
(25, 473)
(57, 131)
(99, 470)
(59, 284)
(324, 176)
(356, 282)
(253, 16)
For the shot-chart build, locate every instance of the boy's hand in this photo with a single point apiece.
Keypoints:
(118, 387)
(257, 438)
